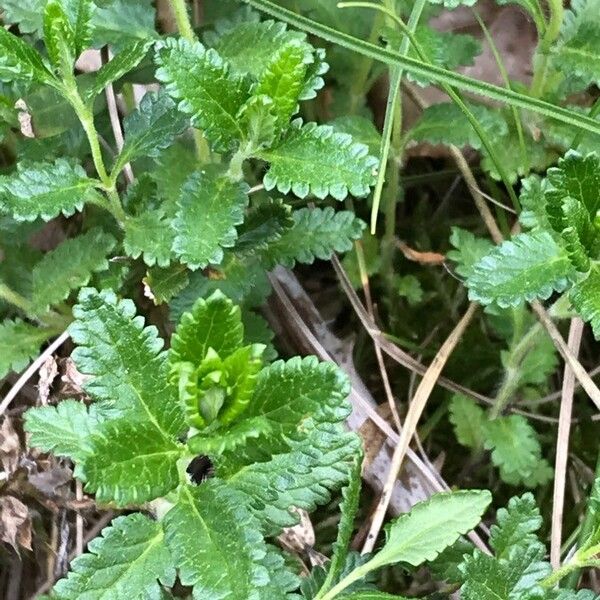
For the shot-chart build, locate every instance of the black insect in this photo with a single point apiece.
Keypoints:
(200, 469)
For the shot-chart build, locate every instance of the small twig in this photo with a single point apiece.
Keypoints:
(115, 122)
(33, 368)
(558, 393)
(579, 372)
(562, 444)
(412, 419)
(78, 520)
(364, 278)
(256, 188)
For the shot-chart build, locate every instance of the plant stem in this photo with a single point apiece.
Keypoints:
(182, 19)
(347, 581)
(9, 295)
(552, 32)
(184, 26)
(513, 370)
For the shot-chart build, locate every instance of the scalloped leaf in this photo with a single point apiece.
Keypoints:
(467, 418)
(316, 234)
(131, 461)
(129, 558)
(151, 236)
(283, 80)
(69, 266)
(432, 126)
(516, 525)
(21, 62)
(529, 266)
(64, 429)
(214, 323)
(210, 207)
(19, 343)
(576, 53)
(161, 284)
(516, 451)
(128, 369)
(217, 544)
(578, 177)
(585, 297)
(264, 223)
(152, 127)
(206, 89)
(305, 476)
(126, 60)
(46, 190)
(59, 36)
(315, 159)
(250, 46)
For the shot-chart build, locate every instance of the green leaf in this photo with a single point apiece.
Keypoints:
(250, 46)
(515, 525)
(212, 323)
(578, 177)
(431, 526)
(46, 190)
(20, 62)
(282, 81)
(26, 13)
(576, 52)
(19, 343)
(314, 159)
(469, 250)
(432, 126)
(64, 429)
(571, 205)
(516, 451)
(529, 266)
(59, 36)
(244, 281)
(264, 223)
(487, 578)
(119, 22)
(348, 510)
(126, 60)
(444, 49)
(128, 560)
(82, 12)
(202, 83)
(585, 297)
(437, 74)
(216, 543)
(151, 236)
(131, 462)
(161, 284)
(125, 360)
(294, 395)
(316, 234)
(303, 477)
(69, 266)
(151, 128)
(533, 203)
(468, 419)
(210, 207)
(361, 129)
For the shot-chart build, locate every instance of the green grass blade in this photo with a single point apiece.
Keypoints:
(417, 67)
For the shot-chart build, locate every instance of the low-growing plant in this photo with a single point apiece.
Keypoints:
(155, 169)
